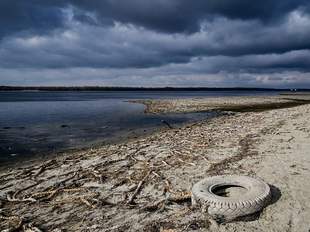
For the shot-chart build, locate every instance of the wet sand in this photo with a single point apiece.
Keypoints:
(144, 184)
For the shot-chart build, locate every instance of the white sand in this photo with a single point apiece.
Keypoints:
(285, 164)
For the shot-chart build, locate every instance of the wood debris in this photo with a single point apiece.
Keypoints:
(12, 198)
(150, 175)
(133, 196)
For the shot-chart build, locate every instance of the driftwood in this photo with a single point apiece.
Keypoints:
(26, 227)
(165, 163)
(67, 179)
(26, 188)
(98, 175)
(291, 139)
(3, 176)
(13, 218)
(44, 167)
(84, 199)
(31, 228)
(35, 171)
(86, 202)
(180, 197)
(14, 199)
(156, 174)
(182, 161)
(51, 193)
(132, 197)
(161, 204)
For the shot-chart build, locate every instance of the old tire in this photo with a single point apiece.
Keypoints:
(255, 196)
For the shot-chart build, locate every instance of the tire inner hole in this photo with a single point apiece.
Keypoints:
(229, 190)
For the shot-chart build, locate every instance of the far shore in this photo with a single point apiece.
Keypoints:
(144, 183)
(120, 88)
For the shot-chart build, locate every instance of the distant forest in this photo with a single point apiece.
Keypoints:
(101, 88)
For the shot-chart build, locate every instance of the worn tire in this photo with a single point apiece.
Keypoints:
(256, 196)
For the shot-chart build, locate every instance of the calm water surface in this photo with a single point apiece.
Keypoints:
(44, 122)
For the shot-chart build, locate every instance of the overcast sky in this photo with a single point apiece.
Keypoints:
(212, 43)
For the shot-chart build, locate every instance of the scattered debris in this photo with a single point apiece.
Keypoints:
(131, 199)
(143, 180)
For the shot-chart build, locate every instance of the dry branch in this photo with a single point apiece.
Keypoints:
(14, 199)
(51, 193)
(13, 218)
(180, 197)
(85, 201)
(43, 167)
(98, 175)
(31, 228)
(131, 199)
(26, 188)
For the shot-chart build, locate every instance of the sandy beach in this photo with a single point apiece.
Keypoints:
(144, 184)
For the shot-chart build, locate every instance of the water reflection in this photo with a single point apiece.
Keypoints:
(43, 122)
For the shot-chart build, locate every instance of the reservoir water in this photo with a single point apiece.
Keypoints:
(40, 123)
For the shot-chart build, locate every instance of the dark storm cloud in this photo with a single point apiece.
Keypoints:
(122, 46)
(162, 15)
(21, 16)
(148, 40)
(184, 15)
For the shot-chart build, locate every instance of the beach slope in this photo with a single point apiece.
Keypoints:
(144, 184)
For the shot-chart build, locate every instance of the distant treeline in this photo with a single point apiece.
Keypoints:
(101, 88)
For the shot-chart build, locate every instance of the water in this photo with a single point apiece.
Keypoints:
(45, 122)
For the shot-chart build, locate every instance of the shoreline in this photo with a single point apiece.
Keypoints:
(120, 138)
(93, 186)
(222, 105)
(39, 158)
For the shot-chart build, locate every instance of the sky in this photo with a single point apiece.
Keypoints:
(155, 43)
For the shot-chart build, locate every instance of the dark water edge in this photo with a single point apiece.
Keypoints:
(42, 124)
(118, 137)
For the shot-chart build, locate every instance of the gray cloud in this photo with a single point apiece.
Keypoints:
(122, 46)
(168, 16)
(186, 42)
